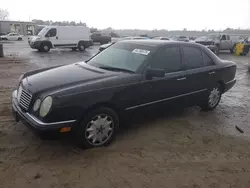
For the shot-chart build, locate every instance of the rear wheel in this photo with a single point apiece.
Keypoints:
(19, 38)
(233, 50)
(81, 47)
(98, 128)
(213, 99)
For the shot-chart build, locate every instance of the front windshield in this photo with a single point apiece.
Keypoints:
(126, 56)
(214, 37)
(43, 31)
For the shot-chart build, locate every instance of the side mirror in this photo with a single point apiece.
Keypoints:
(47, 35)
(153, 72)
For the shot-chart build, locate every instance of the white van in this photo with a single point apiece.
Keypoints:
(75, 37)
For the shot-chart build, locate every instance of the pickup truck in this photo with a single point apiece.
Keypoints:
(103, 39)
(220, 41)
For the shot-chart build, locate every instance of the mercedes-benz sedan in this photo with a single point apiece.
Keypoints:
(89, 98)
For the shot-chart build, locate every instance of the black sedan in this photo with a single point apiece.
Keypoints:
(89, 98)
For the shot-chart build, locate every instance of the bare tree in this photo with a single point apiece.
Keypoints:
(4, 14)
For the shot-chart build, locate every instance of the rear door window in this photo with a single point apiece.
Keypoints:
(168, 58)
(192, 57)
(207, 60)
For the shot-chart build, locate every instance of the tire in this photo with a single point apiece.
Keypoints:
(19, 38)
(81, 47)
(88, 134)
(213, 99)
(233, 50)
(74, 48)
(45, 47)
(216, 50)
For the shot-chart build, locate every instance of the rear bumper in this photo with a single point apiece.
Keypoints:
(229, 85)
(34, 123)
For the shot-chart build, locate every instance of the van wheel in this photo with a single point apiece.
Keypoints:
(97, 129)
(45, 47)
(19, 38)
(213, 99)
(81, 47)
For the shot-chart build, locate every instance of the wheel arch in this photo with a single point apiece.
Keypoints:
(48, 43)
(222, 85)
(110, 105)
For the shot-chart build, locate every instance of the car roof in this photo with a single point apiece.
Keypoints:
(157, 43)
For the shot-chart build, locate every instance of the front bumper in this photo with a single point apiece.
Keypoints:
(35, 45)
(35, 123)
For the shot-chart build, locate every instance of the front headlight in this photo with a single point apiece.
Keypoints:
(37, 105)
(45, 106)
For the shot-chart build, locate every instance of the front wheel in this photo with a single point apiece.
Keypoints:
(216, 50)
(45, 47)
(19, 38)
(213, 99)
(98, 128)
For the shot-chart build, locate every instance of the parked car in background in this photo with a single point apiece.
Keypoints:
(220, 41)
(12, 36)
(161, 38)
(74, 37)
(102, 39)
(134, 38)
(180, 38)
(105, 46)
(128, 77)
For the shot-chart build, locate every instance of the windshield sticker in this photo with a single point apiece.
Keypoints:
(141, 51)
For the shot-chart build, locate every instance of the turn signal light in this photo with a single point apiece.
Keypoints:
(65, 129)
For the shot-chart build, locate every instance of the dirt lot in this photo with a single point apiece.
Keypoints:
(187, 149)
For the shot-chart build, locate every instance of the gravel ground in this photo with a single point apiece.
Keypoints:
(186, 149)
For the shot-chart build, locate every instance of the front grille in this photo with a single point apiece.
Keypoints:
(24, 98)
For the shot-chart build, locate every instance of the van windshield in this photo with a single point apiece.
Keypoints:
(43, 32)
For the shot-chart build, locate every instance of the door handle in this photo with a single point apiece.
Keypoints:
(183, 78)
(56, 37)
(210, 73)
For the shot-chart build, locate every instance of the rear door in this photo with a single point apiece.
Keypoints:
(194, 73)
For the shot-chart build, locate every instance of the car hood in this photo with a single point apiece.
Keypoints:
(64, 77)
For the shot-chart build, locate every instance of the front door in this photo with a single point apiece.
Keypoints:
(169, 89)
(52, 37)
(223, 43)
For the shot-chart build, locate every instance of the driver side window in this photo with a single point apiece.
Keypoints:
(223, 37)
(51, 33)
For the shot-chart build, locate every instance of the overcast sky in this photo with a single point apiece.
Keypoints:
(139, 14)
